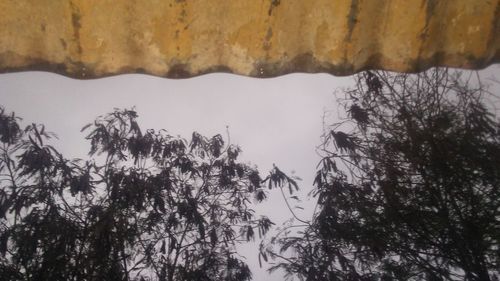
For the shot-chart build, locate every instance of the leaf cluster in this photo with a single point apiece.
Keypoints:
(145, 206)
(408, 187)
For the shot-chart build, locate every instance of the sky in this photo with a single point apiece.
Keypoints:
(274, 121)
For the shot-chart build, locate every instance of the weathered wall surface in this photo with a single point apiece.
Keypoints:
(261, 38)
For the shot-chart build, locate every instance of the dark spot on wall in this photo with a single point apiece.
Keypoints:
(430, 7)
(178, 71)
(422, 64)
(302, 63)
(429, 10)
(267, 44)
(274, 4)
(63, 43)
(42, 27)
(495, 27)
(35, 64)
(269, 34)
(352, 18)
(75, 20)
(218, 68)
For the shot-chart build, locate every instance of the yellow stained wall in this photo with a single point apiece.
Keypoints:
(261, 38)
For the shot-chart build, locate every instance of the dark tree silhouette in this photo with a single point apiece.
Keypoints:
(145, 206)
(408, 187)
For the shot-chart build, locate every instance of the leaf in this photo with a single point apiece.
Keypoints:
(173, 245)
(160, 203)
(358, 114)
(318, 180)
(37, 134)
(33, 142)
(196, 141)
(162, 249)
(213, 237)
(260, 195)
(255, 179)
(201, 229)
(264, 256)
(4, 238)
(250, 233)
(344, 142)
(134, 127)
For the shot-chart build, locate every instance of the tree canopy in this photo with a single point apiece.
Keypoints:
(407, 189)
(408, 186)
(145, 205)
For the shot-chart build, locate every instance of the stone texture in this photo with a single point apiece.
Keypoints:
(260, 38)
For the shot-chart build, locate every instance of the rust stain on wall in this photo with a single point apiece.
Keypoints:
(260, 38)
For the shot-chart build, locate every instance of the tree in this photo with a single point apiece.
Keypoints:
(144, 206)
(408, 187)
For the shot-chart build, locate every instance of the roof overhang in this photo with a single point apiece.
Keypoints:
(260, 38)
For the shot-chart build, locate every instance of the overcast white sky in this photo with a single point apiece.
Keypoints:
(275, 120)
